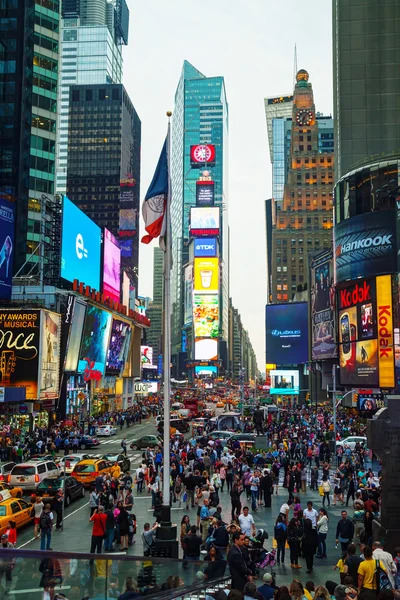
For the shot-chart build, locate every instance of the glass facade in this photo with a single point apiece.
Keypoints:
(200, 116)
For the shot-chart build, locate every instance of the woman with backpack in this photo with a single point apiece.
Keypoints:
(280, 535)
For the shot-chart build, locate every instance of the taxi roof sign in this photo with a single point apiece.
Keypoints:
(5, 495)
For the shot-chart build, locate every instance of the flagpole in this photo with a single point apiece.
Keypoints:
(166, 516)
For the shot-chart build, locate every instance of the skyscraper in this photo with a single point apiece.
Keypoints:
(278, 113)
(299, 220)
(93, 32)
(155, 309)
(366, 51)
(200, 117)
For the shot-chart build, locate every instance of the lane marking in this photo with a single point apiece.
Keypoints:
(37, 590)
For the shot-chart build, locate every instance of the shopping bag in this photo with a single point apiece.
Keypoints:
(321, 490)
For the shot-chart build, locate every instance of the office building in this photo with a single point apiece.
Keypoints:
(155, 309)
(278, 113)
(93, 32)
(299, 220)
(200, 117)
(366, 83)
(242, 358)
(28, 77)
(104, 134)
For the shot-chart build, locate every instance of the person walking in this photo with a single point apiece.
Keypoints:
(309, 544)
(344, 531)
(239, 570)
(192, 543)
(280, 535)
(267, 488)
(99, 520)
(322, 529)
(6, 563)
(110, 530)
(37, 509)
(368, 582)
(123, 521)
(254, 484)
(93, 501)
(326, 488)
(235, 499)
(46, 526)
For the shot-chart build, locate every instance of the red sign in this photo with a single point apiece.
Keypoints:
(90, 374)
(356, 294)
(202, 154)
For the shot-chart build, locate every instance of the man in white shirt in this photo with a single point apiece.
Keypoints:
(386, 559)
(311, 513)
(246, 522)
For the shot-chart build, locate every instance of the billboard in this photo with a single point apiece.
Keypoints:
(7, 226)
(19, 350)
(206, 315)
(146, 356)
(111, 267)
(94, 346)
(205, 247)
(323, 339)
(205, 349)
(206, 275)
(127, 222)
(284, 382)
(125, 289)
(80, 246)
(210, 371)
(370, 401)
(204, 221)
(202, 154)
(49, 376)
(205, 193)
(287, 333)
(126, 246)
(365, 245)
(75, 336)
(384, 312)
(188, 300)
(120, 336)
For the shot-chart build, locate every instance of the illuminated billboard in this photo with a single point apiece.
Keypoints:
(95, 339)
(323, 338)
(146, 356)
(117, 351)
(284, 382)
(202, 154)
(188, 300)
(205, 193)
(206, 315)
(204, 221)
(7, 225)
(111, 267)
(287, 333)
(49, 375)
(209, 370)
(75, 336)
(205, 247)
(206, 275)
(80, 246)
(206, 349)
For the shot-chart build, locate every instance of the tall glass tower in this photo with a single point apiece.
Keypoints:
(200, 117)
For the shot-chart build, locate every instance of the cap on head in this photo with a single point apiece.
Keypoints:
(267, 577)
(4, 536)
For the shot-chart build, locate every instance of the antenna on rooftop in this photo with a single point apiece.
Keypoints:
(295, 65)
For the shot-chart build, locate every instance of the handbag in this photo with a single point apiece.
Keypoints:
(321, 490)
(382, 579)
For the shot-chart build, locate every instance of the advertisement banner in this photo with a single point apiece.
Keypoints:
(80, 246)
(19, 350)
(116, 353)
(323, 340)
(126, 248)
(284, 382)
(365, 245)
(75, 336)
(125, 289)
(206, 275)
(111, 267)
(206, 315)
(49, 377)
(188, 300)
(127, 222)
(146, 356)
(7, 226)
(94, 346)
(200, 154)
(385, 331)
(287, 333)
(205, 349)
(205, 193)
(358, 344)
(204, 221)
(205, 247)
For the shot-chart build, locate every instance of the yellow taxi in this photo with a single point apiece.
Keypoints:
(13, 509)
(15, 491)
(87, 470)
(220, 404)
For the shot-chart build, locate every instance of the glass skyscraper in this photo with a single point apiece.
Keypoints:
(200, 117)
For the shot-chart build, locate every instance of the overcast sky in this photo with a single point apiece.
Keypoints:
(251, 44)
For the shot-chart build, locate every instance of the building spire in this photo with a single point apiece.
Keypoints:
(295, 64)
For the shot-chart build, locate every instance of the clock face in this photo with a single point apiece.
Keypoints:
(305, 117)
(202, 154)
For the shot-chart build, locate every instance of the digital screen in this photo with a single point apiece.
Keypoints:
(126, 247)
(127, 221)
(205, 247)
(284, 382)
(323, 336)
(204, 221)
(188, 300)
(80, 246)
(287, 333)
(116, 349)
(7, 226)
(95, 337)
(206, 275)
(205, 349)
(206, 370)
(50, 353)
(125, 289)
(75, 336)
(206, 315)
(200, 154)
(146, 356)
(370, 402)
(111, 267)
(205, 193)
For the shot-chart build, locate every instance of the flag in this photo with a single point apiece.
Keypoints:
(155, 205)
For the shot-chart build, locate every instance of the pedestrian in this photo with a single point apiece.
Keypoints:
(322, 529)
(280, 535)
(123, 444)
(204, 520)
(123, 521)
(57, 507)
(341, 566)
(294, 536)
(326, 488)
(37, 511)
(311, 513)
(236, 504)
(254, 485)
(240, 572)
(46, 526)
(267, 488)
(7, 563)
(352, 563)
(246, 522)
(185, 527)
(139, 479)
(309, 544)
(12, 533)
(192, 543)
(93, 501)
(99, 520)
(110, 530)
(75, 445)
(378, 553)
(344, 531)
(367, 579)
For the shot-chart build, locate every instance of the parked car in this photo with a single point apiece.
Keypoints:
(28, 475)
(87, 470)
(147, 441)
(5, 470)
(351, 441)
(73, 489)
(106, 430)
(69, 462)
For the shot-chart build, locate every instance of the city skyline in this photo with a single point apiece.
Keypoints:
(256, 62)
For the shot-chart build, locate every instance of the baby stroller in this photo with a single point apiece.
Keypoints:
(257, 550)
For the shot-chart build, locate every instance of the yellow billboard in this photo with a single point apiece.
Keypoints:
(206, 275)
(385, 331)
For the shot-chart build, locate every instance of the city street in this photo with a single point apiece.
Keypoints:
(77, 530)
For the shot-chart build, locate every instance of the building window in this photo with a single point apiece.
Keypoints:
(89, 95)
(102, 94)
(75, 95)
(301, 147)
(309, 147)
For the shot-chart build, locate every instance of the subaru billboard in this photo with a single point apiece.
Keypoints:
(287, 333)
(205, 247)
(80, 246)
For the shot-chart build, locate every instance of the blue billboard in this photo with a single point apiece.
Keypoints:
(7, 224)
(205, 247)
(286, 333)
(80, 246)
(95, 341)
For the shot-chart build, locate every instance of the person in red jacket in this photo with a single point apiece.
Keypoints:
(12, 533)
(98, 519)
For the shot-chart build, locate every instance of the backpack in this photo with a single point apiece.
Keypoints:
(382, 579)
(45, 520)
(140, 475)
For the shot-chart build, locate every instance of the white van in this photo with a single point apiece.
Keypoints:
(28, 475)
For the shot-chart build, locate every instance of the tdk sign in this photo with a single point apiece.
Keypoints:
(205, 247)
